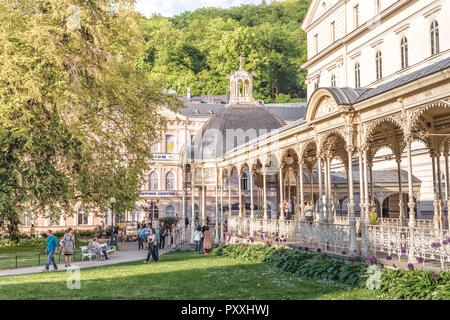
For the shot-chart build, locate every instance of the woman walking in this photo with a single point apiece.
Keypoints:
(207, 240)
(198, 238)
(152, 243)
(68, 246)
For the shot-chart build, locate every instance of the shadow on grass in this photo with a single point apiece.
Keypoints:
(178, 275)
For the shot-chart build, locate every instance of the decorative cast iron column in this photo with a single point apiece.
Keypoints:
(252, 211)
(351, 202)
(281, 193)
(264, 193)
(302, 199)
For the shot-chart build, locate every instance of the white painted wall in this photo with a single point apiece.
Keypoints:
(412, 20)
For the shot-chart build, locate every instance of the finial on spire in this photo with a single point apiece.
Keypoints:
(241, 58)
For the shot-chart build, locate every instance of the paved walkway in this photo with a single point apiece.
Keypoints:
(126, 254)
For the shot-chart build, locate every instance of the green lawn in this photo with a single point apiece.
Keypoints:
(30, 256)
(178, 275)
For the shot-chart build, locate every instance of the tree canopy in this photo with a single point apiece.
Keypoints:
(199, 49)
(78, 108)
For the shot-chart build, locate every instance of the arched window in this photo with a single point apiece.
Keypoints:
(170, 211)
(434, 33)
(404, 52)
(170, 181)
(333, 80)
(244, 181)
(153, 181)
(379, 65)
(357, 75)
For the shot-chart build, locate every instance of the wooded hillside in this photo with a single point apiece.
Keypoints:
(199, 49)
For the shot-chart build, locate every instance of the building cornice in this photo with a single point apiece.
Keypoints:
(356, 33)
(324, 15)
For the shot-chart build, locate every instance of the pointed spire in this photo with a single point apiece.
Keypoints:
(241, 58)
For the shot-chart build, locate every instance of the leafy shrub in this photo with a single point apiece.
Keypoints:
(392, 283)
(305, 264)
(415, 284)
(168, 221)
(35, 242)
(244, 252)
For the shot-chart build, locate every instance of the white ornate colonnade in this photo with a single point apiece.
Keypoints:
(338, 128)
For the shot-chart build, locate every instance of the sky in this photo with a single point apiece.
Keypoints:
(170, 8)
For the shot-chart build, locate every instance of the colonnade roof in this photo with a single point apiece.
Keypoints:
(231, 127)
(400, 81)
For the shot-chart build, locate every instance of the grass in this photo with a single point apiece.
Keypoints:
(30, 256)
(178, 275)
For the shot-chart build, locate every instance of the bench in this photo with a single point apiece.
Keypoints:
(111, 249)
(85, 252)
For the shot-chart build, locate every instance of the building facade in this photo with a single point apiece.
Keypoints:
(377, 126)
(365, 44)
(162, 194)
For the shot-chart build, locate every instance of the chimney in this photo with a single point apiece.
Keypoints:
(189, 94)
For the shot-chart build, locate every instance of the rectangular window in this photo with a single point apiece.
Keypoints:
(316, 44)
(332, 32)
(355, 16)
(170, 144)
(377, 7)
(83, 218)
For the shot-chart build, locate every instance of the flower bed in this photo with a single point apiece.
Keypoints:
(391, 283)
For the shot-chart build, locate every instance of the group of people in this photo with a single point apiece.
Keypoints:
(98, 249)
(67, 246)
(202, 238)
(155, 235)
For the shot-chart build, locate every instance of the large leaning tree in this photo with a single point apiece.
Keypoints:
(77, 110)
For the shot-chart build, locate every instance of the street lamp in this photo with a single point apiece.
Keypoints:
(112, 200)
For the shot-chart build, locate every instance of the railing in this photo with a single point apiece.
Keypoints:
(180, 237)
(32, 259)
(320, 235)
(388, 237)
(419, 243)
(394, 222)
(263, 229)
(330, 237)
(345, 221)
